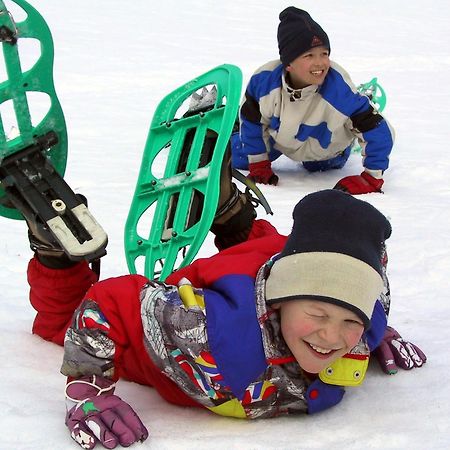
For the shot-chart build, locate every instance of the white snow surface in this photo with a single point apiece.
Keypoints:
(114, 62)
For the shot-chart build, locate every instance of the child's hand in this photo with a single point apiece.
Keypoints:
(100, 416)
(394, 352)
(360, 184)
(261, 172)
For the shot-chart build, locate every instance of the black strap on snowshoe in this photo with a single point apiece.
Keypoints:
(250, 187)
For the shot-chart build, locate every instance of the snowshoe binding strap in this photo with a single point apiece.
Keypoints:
(250, 187)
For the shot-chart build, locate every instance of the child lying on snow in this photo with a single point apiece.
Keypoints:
(274, 325)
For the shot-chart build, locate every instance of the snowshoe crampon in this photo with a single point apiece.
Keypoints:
(33, 138)
(177, 192)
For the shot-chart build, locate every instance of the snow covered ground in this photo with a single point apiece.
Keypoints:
(114, 61)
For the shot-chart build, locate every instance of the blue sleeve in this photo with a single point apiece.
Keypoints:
(252, 130)
(378, 324)
(378, 137)
(379, 142)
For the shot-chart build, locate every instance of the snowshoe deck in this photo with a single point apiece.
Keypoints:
(172, 212)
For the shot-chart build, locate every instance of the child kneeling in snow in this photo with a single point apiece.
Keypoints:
(306, 107)
(271, 326)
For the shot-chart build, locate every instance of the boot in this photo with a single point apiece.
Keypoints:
(235, 211)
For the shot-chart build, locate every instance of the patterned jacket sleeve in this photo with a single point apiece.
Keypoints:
(104, 327)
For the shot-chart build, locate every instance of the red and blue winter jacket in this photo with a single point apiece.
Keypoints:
(203, 338)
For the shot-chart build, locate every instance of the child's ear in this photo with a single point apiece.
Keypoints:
(276, 306)
(288, 68)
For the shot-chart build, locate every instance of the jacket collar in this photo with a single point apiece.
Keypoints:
(298, 94)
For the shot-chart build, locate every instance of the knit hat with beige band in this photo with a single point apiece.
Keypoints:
(333, 254)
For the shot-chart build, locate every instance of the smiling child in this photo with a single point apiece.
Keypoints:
(274, 325)
(306, 107)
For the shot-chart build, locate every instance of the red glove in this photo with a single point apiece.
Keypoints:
(261, 172)
(360, 184)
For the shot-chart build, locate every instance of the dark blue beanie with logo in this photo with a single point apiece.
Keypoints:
(297, 33)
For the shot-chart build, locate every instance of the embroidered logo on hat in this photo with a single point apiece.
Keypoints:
(316, 42)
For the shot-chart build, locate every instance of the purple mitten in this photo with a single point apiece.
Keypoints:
(394, 352)
(95, 414)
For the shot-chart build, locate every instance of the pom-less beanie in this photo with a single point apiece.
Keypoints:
(333, 254)
(297, 33)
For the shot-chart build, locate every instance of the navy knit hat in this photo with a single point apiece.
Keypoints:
(333, 254)
(297, 33)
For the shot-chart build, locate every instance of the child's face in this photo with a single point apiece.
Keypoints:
(309, 68)
(318, 333)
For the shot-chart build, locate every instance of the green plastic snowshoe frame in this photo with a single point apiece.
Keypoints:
(193, 146)
(17, 89)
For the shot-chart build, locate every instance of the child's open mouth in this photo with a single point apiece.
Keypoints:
(320, 352)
